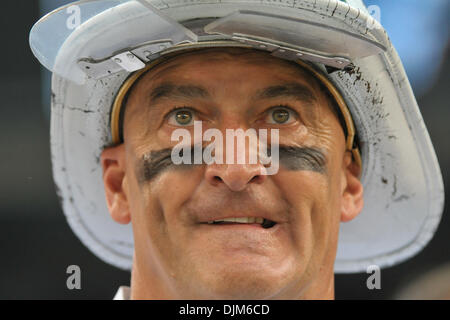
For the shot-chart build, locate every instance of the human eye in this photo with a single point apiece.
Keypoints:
(280, 115)
(181, 117)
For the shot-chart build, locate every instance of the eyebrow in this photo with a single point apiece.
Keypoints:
(291, 90)
(170, 90)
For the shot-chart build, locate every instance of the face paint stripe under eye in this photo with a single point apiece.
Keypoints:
(155, 162)
(302, 159)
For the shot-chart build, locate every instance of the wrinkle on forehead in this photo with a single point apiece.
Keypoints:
(244, 55)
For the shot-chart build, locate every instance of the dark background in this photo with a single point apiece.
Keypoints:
(37, 244)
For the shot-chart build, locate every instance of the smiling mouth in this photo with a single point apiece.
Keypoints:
(265, 223)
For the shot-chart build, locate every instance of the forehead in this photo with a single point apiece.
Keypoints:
(225, 67)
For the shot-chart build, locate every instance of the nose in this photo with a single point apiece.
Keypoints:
(239, 166)
(237, 177)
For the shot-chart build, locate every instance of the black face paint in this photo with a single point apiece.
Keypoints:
(302, 158)
(291, 158)
(155, 162)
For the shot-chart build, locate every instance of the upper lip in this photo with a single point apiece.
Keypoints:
(212, 216)
(219, 206)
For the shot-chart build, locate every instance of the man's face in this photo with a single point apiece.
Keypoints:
(177, 252)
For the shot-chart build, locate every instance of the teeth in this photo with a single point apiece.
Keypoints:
(240, 220)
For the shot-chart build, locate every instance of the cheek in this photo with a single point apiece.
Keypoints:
(163, 199)
(159, 224)
(305, 191)
(174, 188)
(315, 208)
(143, 203)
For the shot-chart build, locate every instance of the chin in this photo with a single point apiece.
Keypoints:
(244, 282)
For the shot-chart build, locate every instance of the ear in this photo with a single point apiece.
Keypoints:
(113, 164)
(352, 189)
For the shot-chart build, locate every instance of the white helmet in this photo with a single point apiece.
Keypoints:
(95, 49)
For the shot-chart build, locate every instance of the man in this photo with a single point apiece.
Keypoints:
(169, 210)
(130, 77)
